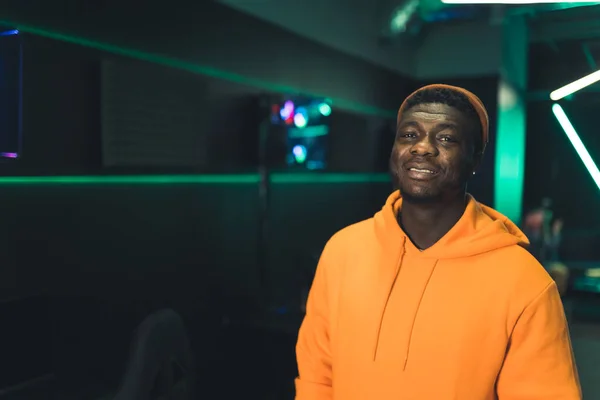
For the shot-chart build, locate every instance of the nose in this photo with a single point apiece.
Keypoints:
(424, 147)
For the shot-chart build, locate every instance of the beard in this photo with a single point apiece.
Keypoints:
(421, 197)
(428, 192)
(416, 195)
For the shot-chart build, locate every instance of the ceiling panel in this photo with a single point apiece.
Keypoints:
(354, 29)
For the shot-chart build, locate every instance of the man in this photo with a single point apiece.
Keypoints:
(435, 297)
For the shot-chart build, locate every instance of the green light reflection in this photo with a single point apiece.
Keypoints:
(208, 179)
(198, 69)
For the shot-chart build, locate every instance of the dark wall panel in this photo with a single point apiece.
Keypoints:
(10, 93)
(303, 217)
(25, 340)
(555, 170)
(136, 240)
(185, 33)
(61, 109)
(161, 119)
(107, 255)
(360, 143)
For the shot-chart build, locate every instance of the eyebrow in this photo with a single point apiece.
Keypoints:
(407, 124)
(448, 125)
(441, 126)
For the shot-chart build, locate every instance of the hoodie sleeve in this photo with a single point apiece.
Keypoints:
(539, 363)
(313, 352)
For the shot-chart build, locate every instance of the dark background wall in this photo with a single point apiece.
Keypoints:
(93, 259)
(553, 168)
(60, 108)
(10, 87)
(211, 38)
(87, 261)
(66, 108)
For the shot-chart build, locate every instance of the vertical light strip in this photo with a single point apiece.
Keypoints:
(509, 170)
(585, 156)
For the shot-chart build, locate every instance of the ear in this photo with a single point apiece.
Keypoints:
(476, 162)
(477, 157)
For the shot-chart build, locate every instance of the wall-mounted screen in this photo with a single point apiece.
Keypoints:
(306, 129)
(10, 93)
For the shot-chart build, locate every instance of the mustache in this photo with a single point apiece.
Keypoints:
(420, 162)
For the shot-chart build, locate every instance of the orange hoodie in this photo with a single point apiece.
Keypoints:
(474, 317)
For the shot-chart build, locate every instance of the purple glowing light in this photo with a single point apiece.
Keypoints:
(287, 110)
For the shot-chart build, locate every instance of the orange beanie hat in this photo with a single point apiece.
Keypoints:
(474, 100)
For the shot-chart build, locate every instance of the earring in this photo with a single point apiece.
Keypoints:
(473, 172)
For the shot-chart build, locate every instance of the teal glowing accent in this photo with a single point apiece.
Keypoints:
(283, 178)
(199, 69)
(511, 133)
(509, 171)
(299, 153)
(325, 109)
(301, 118)
(212, 179)
(131, 179)
(585, 156)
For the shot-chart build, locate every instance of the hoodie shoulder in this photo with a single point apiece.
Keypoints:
(356, 233)
(342, 246)
(521, 273)
(358, 238)
(522, 263)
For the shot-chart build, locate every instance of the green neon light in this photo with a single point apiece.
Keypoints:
(585, 156)
(217, 179)
(317, 177)
(199, 69)
(509, 169)
(131, 179)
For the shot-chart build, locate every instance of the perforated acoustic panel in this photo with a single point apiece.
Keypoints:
(152, 116)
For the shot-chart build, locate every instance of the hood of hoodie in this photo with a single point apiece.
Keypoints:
(480, 229)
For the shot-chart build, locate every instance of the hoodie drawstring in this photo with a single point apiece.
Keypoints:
(387, 299)
(412, 326)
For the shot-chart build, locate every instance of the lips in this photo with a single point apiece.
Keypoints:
(421, 171)
(422, 168)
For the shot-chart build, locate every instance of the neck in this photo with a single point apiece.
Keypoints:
(425, 224)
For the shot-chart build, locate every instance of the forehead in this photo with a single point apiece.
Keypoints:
(434, 113)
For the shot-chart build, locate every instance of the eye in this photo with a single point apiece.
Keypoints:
(408, 134)
(447, 139)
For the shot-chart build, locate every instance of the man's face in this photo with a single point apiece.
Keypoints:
(433, 155)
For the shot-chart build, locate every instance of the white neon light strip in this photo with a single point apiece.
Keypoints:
(513, 1)
(563, 120)
(575, 86)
